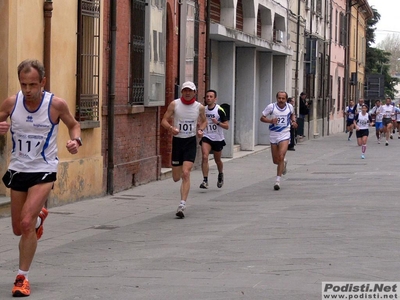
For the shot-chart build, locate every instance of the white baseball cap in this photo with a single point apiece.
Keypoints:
(188, 85)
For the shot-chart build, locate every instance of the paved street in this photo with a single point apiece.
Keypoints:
(336, 218)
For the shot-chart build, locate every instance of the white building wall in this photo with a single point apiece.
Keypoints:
(246, 70)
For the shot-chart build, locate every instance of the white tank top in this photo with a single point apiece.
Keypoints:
(283, 114)
(213, 131)
(185, 118)
(34, 137)
(363, 120)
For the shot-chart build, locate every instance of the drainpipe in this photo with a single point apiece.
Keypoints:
(357, 94)
(296, 72)
(111, 96)
(315, 99)
(329, 65)
(208, 45)
(347, 60)
(48, 12)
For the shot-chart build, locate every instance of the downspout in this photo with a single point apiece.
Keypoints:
(325, 74)
(329, 67)
(296, 72)
(347, 60)
(48, 12)
(111, 96)
(208, 45)
(357, 94)
(315, 100)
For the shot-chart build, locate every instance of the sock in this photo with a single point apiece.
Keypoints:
(183, 202)
(363, 148)
(38, 222)
(278, 178)
(205, 179)
(25, 273)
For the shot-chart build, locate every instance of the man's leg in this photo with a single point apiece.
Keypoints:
(25, 208)
(398, 130)
(205, 150)
(278, 157)
(185, 187)
(24, 220)
(176, 173)
(220, 167)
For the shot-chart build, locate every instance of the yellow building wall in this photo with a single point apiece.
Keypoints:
(22, 27)
(357, 49)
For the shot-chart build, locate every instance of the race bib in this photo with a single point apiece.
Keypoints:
(187, 127)
(29, 145)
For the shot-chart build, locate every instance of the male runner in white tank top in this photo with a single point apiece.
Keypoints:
(35, 115)
(188, 119)
(280, 115)
(213, 138)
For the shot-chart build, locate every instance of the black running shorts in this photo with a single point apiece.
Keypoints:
(216, 146)
(362, 132)
(21, 181)
(183, 149)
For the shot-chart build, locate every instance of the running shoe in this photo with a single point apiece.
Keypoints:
(391, 136)
(220, 181)
(277, 186)
(379, 141)
(398, 137)
(284, 167)
(180, 210)
(21, 287)
(204, 185)
(42, 215)
(362, 156)
(349, 139)
(387, 143)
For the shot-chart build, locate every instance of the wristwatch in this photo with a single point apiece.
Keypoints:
(79, 140)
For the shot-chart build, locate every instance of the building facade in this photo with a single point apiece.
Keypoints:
(338, 68)
(52, 38)
(358, 13)
(119, 64)
(249, 63)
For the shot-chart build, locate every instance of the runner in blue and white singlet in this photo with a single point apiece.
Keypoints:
(280, 116)
(281, 130)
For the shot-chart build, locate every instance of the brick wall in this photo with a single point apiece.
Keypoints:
(136, 159)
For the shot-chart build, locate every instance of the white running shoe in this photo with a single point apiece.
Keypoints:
(204, 185)
(277, 186)
(180, 210)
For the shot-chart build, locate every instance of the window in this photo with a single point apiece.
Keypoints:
(338, 93)
(147, 53)
(336, 26)
(343, 30)
(137, 52)
(318, 8)
(88, 62)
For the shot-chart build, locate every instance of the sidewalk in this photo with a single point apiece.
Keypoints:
(336, 218)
